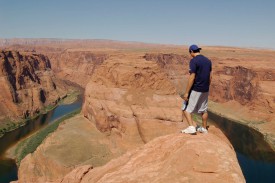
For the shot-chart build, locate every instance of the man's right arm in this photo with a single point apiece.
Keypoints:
(189, 86)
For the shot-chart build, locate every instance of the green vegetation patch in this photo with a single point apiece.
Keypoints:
(70, 97)
(9, 125)
(30, 144)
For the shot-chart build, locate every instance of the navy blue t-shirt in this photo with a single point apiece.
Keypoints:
(202, 67)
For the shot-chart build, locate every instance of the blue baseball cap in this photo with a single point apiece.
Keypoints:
(194, 48)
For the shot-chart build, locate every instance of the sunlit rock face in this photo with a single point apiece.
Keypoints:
(27, 84)
(132, 92)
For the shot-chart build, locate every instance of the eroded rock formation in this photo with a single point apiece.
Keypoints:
(76, 66)
(27, 84)
(175, 65)
(131, 92)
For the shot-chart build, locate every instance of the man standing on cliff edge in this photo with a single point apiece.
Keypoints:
(198, 84)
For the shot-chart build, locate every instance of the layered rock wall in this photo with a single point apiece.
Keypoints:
(175, 65)
(76, 66)
(245, 85)
(27, 84)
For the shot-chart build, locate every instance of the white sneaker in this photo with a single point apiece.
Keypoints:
(202, 130)
(183, 131)
(189, 129)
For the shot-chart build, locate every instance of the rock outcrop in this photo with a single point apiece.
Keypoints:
(132, 92)
(27, 84)
(172, 158)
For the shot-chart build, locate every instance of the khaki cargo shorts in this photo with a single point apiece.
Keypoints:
(198, 102)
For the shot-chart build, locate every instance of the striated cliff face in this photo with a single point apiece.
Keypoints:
(175, 65)
(236, 83)
(27, 84)
(76, 66)
(240, 84)
(249, 87)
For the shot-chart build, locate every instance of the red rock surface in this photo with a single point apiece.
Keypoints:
(27, 84)
(175, 65)
(132, 91)
(76, 66)
(131, 101)
(172, 158)
(130, 98)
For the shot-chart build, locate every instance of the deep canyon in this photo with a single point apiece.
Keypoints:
(128, 129)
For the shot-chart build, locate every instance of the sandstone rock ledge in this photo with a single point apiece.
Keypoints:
(172, 158)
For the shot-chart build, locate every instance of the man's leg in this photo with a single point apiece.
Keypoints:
(191, 128)
(204, 117)
(189, 118)
(202, 106)
(191, 107)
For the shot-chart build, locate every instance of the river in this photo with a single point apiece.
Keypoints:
(256, 158)
(8, 169)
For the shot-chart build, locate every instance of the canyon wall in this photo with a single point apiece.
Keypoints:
(75, 65)
(130, 102)
(27, 85)
(244, 85)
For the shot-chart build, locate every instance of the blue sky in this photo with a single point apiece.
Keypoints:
(244, 23)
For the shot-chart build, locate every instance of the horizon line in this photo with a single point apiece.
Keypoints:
(133, 42)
